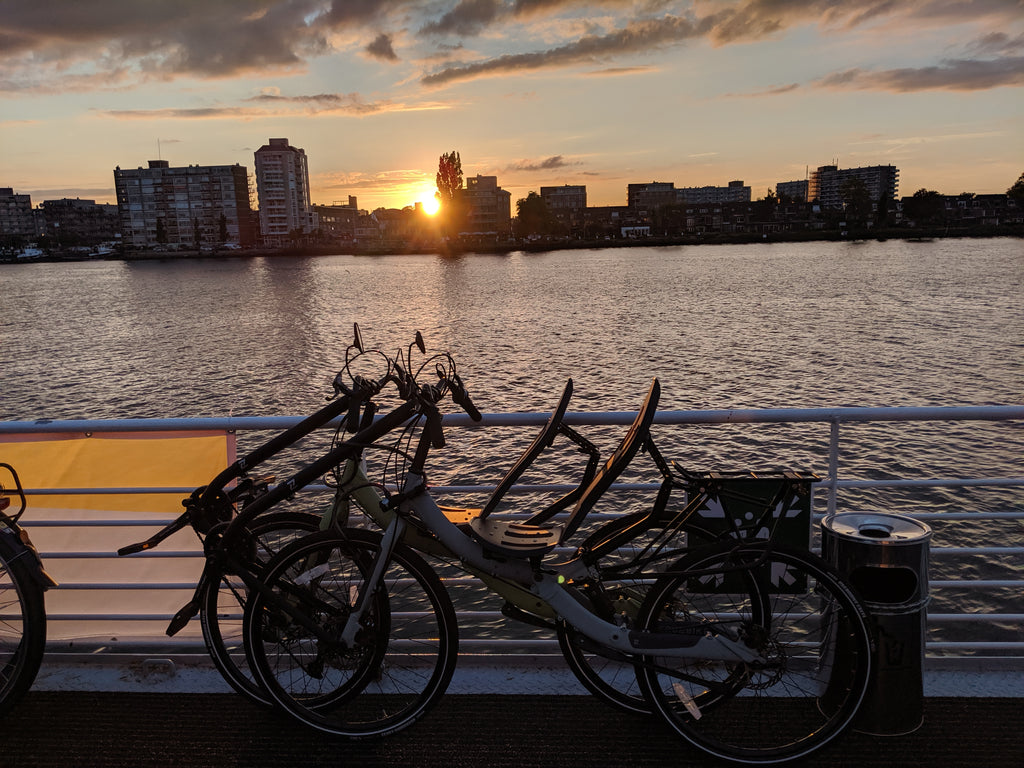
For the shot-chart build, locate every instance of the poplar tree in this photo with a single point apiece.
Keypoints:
(449, 186)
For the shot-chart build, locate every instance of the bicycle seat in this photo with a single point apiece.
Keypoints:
(517, 539)
(543, 440)
(618, 461)
(513, 539)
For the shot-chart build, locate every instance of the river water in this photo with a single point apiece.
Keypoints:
(820, 324)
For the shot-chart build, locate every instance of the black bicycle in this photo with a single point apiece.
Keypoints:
(23, 583)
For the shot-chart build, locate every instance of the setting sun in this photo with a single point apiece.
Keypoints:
(431, 205)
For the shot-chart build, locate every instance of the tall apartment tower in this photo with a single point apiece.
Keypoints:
(282, 184)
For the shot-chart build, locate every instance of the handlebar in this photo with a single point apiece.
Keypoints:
(353, 401)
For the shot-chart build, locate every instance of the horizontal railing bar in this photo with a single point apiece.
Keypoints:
(976, 646)
(966, 584)
(939, 482)
(602, 418)
(198, 553)
(134, 522)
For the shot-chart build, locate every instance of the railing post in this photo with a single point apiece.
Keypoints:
(833, 465)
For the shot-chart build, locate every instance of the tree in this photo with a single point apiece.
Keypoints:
(449, 190)
(857, 199)
(449, 177)
(923, 207)
(533, 216)
(1017, 190)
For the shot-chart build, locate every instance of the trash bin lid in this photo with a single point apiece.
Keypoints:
(881, 528)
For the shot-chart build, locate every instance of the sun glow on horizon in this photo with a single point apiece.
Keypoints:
(429, 202)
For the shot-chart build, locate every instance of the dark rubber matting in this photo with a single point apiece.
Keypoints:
(223, 731)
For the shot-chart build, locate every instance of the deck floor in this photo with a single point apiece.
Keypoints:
(95, 729)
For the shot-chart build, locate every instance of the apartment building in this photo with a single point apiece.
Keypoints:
(193, 206)
(735, 192)
(16, 218)
(827, 182)
(650, 197)
(282, 184)
(792, 190)
(79, 222)
(339, 219)
(567, 203)
(487, 206)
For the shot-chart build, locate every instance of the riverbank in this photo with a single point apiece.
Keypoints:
(529, 246)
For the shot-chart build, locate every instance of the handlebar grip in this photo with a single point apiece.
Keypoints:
(131, 549)
(468, 407)
(461, 398)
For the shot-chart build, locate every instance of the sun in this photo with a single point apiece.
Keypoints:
(431, 205)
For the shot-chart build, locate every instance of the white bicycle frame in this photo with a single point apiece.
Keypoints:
(548, 584)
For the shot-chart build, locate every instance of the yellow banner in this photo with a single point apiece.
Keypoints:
(116, 460)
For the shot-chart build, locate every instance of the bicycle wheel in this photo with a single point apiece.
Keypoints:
(223, 601)
(804, 622)
(22, 624)
(403, 656)
(624, 580)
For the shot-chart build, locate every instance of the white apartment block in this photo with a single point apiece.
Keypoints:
(282, 184)
(826, 183)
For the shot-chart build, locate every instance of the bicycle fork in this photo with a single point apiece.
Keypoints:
(389, 540)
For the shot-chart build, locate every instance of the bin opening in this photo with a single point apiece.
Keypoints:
(875, 530)
(885, 585)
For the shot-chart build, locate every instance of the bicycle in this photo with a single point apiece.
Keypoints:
(221, 594)
(351, 631)
(23, 582)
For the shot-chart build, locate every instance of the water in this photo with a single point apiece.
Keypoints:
(765, 326)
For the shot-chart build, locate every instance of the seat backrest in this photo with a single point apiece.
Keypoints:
(618, 461)
(542, 441)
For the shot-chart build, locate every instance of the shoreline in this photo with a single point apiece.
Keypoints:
(539, 246)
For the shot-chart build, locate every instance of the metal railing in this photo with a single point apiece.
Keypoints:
(139, 625)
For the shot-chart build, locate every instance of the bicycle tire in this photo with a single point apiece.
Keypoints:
(813, 635)
(22, 623)
(409, 636)
(608, 674)
(223, 601)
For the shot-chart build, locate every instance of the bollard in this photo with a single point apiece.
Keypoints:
(885, 557)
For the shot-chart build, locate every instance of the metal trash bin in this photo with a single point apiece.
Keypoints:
(886, 559)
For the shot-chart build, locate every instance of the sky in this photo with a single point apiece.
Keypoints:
(535, 92)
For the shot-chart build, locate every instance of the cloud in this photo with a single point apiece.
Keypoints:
(382, 49)
(996, 44)
(547, 164)
(69, 45)
(643, 35)
(468, 17)
(87, 193)
(272, 104)
(777, 90)
(949, 75)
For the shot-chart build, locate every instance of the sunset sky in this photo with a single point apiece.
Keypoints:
(535, 92)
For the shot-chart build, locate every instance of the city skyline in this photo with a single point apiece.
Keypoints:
(535, 92)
